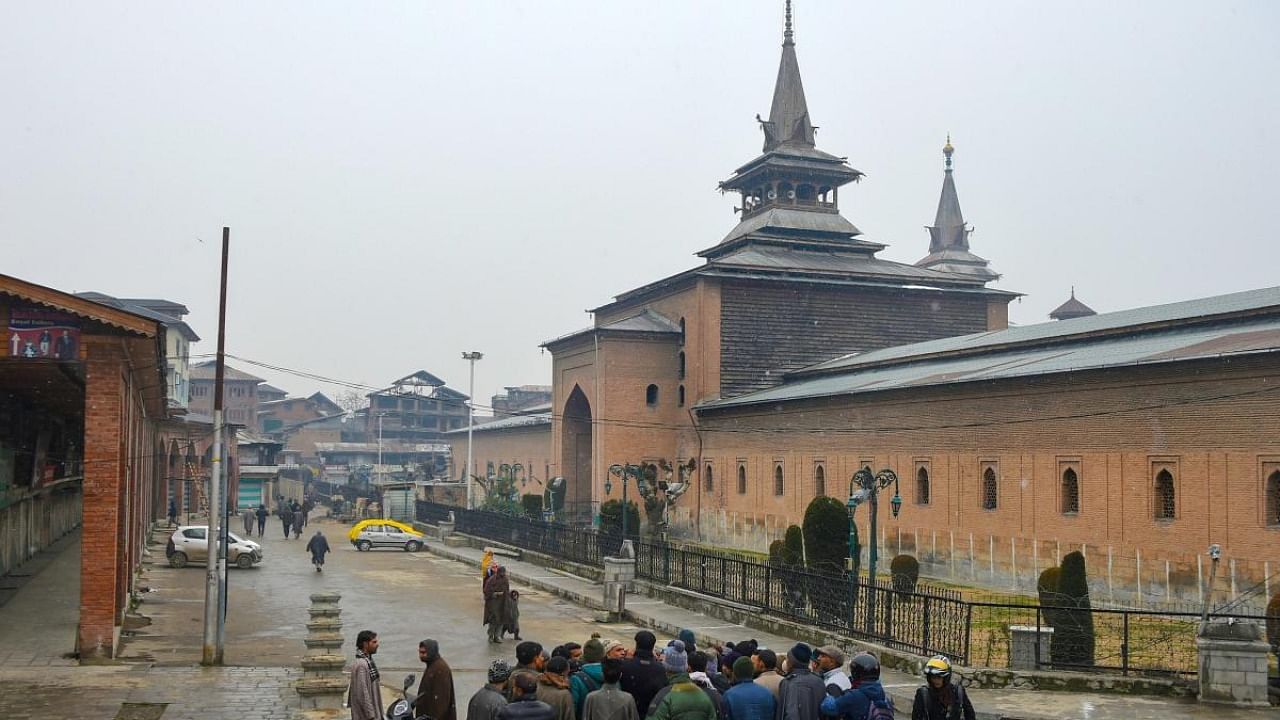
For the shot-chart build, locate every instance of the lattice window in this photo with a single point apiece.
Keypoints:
(1166, 499)
(708, 481)
(777, 479)
(1273, 499)
(990, 490)
(742, 479)
(819, 480)
(1070, 492)
(922, 486)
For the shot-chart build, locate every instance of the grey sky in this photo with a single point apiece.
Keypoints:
(405, 181)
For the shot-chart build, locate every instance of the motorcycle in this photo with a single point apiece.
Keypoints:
(402, 709)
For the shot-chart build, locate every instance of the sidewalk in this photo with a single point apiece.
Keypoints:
(39, 618)
(990, 704)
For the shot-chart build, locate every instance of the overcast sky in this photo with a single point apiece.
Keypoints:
(406, 181)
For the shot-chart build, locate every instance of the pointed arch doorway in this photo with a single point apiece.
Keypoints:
(575, 456)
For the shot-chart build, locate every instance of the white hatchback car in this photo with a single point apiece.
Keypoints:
(190, 543)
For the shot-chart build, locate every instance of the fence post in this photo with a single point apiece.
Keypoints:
(768, 587)
(924, 645)
(968, 632)
(742, 570)
(1038, 631)
(1124, 648)
(723, 594)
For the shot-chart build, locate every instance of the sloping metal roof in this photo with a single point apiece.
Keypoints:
(511, 423)
(789, 219)
(207, 370)
(775, 257)
(1123, 320)
(1172, 345)
(646, 321)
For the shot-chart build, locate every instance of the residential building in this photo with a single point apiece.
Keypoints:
(239, 393)
(515, 400)
(178, 338)
(417, 408)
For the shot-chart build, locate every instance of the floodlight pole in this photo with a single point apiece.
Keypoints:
(471, 421)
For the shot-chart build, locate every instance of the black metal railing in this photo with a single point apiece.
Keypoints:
(926, 621)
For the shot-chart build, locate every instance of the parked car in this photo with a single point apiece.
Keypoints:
(190, 543)
(370, 534)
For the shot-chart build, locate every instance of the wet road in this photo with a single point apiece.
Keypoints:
(404, 597)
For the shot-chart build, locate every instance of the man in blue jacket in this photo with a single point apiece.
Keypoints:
(745, 699)
(866, 699)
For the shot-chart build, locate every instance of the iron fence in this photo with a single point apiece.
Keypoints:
(926, 621)
(429, 512)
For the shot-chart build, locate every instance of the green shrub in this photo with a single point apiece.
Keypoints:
(611, 518)
(776, 552)
(532, 505)
(1273, 622)
(905, 572)
(793, 547)
(1073, 636)
(826, 534)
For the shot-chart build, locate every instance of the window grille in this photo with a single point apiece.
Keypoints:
(990, 492)
(1166, 500)
(1070, 492)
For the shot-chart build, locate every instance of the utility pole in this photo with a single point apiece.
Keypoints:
(471, 421)
(215, 570)
(377, 473)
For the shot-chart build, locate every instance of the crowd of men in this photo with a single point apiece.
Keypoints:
(609, 680)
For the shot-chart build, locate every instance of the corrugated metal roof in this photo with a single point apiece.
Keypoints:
(784, 258)
(511, 423)
(809, 221)
(1186, 310)
(207, 371)
(646, 321)
(1088, 353)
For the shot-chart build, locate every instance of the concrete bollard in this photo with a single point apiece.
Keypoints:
(1233, 663)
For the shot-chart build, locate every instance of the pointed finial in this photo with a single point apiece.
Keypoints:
(1073, 292)
(947, 150)
(788, 37)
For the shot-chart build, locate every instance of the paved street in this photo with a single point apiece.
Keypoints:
(405, 597)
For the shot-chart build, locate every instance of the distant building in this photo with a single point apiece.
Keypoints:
(275, 414)
(239, 396)
(270, 393)
(178, 338)
(518, 399)
(417, 408)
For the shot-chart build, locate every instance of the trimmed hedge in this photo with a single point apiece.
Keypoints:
(905, 573)
(826, 534)
(1073, 637)
(611, 518)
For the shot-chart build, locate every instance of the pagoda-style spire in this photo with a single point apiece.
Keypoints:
(949, 234)
(1072, 309)
(789, 115)
(948, 231)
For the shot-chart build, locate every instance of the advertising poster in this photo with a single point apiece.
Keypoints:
(42, 334)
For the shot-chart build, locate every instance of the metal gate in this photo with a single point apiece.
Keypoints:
(399, 504)
(249, 495)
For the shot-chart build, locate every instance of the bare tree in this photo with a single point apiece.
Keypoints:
(351, 400)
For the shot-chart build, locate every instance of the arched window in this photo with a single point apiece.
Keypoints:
(681, 345)
(990, 493)
(1166, 500)
(680, 365)
(651, 396)
(819, 481)
(777, 479)
(922, 486)
(1273, 499)
(708, 481)
(680, 396)
(1070, 492)
(742, 479)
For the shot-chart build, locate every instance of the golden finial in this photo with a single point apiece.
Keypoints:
(947, 150)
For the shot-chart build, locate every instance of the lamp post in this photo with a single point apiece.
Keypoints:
(866, 487)
(471, 418)
(377, 472)
(625, 472)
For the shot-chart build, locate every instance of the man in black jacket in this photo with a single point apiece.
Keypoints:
(642, 673)
(526, 705)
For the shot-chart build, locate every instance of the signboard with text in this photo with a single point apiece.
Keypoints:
(42, 334)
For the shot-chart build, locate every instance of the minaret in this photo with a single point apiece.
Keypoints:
(949, 234)
(790, 192)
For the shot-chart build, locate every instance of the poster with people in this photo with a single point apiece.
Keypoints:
(43, 334)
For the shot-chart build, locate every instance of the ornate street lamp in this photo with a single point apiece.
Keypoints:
(865, 487)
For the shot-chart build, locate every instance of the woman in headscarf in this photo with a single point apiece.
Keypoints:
(496, 597)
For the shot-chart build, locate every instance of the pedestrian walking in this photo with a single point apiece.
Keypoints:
(642, 673)
(553, 688)
(318, 546)
(680, 699)
(307, 506)
(173, 512)
(939, 698)
(746, 698)
(800, 693)
(610, 702)
(247, 517)
(286, 519)
(497, 591)
(513, 615)
(525, 704)
(488, 702)
(262, 519)
(363, 695)
(297, 524)
(435, 693)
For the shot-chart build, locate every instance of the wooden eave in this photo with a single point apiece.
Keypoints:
(65, 302)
